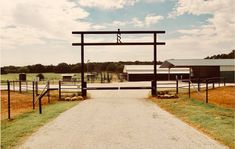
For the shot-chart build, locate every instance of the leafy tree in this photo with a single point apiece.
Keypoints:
(76, 68)
(62, 68)
(40, 76)
(23, 69)
(230, 55)
(38, 68)
(3, 71)
(111, 67)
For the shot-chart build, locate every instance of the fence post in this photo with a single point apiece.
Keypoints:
(36, 85)
(9, 99)
(213, 84)
(48, 91)
(20, 86)
(59, 90)
(189, 89)
(40, 105)
(33, 95)
(177, 86)
(84, 89)
(198, 84)
(153, 90)
(206, 91)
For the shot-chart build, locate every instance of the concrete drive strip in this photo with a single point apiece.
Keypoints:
(118, 120)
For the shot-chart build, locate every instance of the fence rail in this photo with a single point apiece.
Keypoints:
(75, 86)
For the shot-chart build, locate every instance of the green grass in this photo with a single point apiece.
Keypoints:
(217, 122)
(32, 76)
(14, 131)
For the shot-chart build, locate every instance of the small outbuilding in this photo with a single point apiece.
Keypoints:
(146, 73)
(67, 77)
(205, 68)
(22, 77)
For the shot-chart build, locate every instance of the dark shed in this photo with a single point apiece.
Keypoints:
(22, 77)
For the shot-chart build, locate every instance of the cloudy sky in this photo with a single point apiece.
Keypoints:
(39, 31)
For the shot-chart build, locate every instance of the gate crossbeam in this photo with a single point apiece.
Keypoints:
(118, 32)
(118, 44)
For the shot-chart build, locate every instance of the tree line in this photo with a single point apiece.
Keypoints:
(230, 55)
(116, 67)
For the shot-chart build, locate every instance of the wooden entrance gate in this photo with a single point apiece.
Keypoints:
(154, 43)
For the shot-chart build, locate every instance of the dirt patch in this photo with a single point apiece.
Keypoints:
(20, 103)
(223, 96)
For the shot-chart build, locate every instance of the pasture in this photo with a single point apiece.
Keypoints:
(216, 118)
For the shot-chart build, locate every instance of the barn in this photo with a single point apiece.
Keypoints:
(146, 73)
(67, 77)
(205, 68)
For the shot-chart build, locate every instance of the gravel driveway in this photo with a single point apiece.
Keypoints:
(118, 120)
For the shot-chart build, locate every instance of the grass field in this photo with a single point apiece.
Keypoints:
(223, 96)
(32, 76)
(215, 121)
(15, 131)
(50, 76)
(21, 103)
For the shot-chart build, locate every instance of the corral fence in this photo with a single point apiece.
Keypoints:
(38, 91)
(66, 87)
(199, 84)
(74, 87)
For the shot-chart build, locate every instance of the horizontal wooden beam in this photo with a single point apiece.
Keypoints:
(118, 32)
(118, 44)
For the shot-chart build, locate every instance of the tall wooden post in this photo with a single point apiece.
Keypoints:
(40, 105)
(198, 84)
(82, 64)
(177, 86)
(154, 88)
(189, 92)
(48, 91)
(20, 86)
(59, 90)
(33, 95)
(9, 99)
(85, 89)
(206, 91)
(36, 87)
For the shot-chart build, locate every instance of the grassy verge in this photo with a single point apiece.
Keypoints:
(14, 131)
(217, 122)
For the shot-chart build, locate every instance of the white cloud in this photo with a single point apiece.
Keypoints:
(119, 23)
(98, 27)
(136, 22)
(154, 1)
(222, 21)
(218, 32)
(149, 20)
(152, 19)
(33, 20)
(107, 4)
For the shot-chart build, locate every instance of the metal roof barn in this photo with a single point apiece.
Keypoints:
(145, 72)
(197, 62)
(205, 68)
